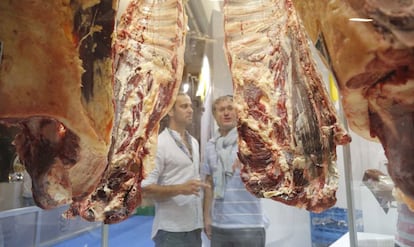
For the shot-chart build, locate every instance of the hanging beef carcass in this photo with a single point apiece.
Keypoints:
(369, 46)
(148, 65)
(89, 106)
(55, 82)
(288, 128)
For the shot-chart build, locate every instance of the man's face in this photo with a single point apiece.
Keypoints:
(225, 114)
(182, 112)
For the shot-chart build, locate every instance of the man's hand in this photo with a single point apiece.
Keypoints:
(207, 226)
(193, 187)
(207, 202)
(236, 165)
(162, 192)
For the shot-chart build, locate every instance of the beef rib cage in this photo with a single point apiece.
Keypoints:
(288, 128)
(148, 66)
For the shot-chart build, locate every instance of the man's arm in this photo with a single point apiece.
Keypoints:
(162, 192)
(207, 202)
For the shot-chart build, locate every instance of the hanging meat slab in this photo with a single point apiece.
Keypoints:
(369, 47)
(288, 128)
(148, 66)
(55, 83)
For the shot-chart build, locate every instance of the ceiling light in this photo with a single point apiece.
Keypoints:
(360, 19)
(204, 79)
(186, 86)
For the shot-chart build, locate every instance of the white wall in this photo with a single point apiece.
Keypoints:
(221, 77)
(288, 226)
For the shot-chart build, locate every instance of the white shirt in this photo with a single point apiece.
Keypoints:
(181, 213)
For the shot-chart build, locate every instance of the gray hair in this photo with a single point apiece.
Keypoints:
(221, 99)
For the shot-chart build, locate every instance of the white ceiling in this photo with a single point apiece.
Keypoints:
(210, 5)
(199, 13)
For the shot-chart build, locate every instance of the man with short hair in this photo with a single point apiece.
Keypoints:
(232, 216)
(175, 183)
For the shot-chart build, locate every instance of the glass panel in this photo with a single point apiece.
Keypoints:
(31, 226)
(19, 228)
(373, 197)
